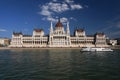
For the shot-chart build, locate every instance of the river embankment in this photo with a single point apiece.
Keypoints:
(7, 48)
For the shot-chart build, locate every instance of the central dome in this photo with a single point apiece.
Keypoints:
(59, 24)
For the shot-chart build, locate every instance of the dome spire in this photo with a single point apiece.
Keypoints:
(59, 20)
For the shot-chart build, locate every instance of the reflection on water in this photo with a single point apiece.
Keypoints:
(59, 64)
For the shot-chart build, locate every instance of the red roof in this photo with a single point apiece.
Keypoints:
(38, 30)
(17, 33)
(79, 30)
(100, 34)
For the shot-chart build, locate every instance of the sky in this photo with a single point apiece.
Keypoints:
(91, 15)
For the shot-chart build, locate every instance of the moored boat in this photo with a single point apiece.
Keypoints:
(96, 49)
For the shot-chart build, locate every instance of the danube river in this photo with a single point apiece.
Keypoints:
(58, 64)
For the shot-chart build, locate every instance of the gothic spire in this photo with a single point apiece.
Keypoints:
(68, 30)
(51, 27)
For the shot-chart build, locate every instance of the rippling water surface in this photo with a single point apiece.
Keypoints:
(59, 64)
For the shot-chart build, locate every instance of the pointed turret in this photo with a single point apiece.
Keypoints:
(51, 28)
(68, 30)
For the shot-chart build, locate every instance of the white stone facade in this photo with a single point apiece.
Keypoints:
(58, 37)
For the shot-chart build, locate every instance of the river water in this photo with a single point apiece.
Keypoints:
(59, 64)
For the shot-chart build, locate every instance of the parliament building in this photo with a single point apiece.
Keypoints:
(58, 37)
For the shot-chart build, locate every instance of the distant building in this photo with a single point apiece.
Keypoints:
(113, 42)
(58, 37)
(4, 42)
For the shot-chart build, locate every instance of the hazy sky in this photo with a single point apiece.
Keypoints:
(92, 15)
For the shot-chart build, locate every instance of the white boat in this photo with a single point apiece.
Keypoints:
(95, 49)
